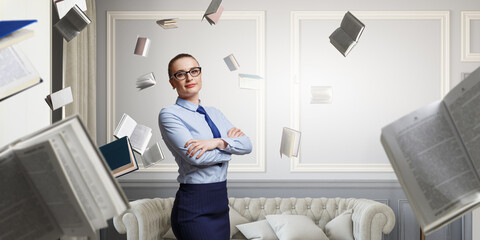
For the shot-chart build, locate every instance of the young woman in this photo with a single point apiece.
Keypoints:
(202, 140)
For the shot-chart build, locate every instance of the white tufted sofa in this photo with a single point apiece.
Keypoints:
(150, 218)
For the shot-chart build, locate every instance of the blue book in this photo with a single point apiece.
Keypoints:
(10, 26)
(119, 156)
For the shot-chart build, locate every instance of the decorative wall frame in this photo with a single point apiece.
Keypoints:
(257, 16)
(467, 18)
(297, 16)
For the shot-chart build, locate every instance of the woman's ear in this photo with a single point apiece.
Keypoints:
(171, 83)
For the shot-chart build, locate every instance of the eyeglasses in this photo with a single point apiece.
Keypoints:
(182, 75)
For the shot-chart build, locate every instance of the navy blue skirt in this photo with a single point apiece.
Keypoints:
(200, 212)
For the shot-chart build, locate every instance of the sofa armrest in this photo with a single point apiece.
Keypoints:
(146, 219)
(371, 219)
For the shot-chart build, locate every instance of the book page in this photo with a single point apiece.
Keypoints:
(140, 138)
(20, 203)
(16, 72)
(107, 193)
(341, 41)
(352, 26)
(125, 127)
(48, 176)
(431, 164)
(463, 102)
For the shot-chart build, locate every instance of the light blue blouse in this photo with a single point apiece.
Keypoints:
(179, 123)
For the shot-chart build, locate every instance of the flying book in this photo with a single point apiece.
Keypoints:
(347, 35)
(139, 135)
(16, 73)
(60, 98)
(57, 181)
(72, 23)
(249, 81)
(290, 142)
(231, 62)
(146, 81)
(142, 46)
(168, 23)
(12, 32)
(119, 156)
(321, 95)
(214, 11)
(152, 155)
(63, 6)
(434, 152)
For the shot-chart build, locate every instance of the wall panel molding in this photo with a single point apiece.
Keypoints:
(467, 17)
(257, 16)
(443, 17)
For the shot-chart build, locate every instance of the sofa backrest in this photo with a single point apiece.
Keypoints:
(320, 210)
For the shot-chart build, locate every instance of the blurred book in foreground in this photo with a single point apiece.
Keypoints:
(346, 36)
(119, 156)
(214, 11)
(435, 153)
(13, 32)
(59, 98)
(168, 23)
(231, 62)
(57, 181)
(146, 81)
(290, 142)
(16, 72)
(138, 134)
(72, 23)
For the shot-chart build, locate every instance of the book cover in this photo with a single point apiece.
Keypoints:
(119, 156)
(231, 62)
(59, 98)
(290, 142)
(213, 10)
(346, 36)
(142, 46)
(10, 26)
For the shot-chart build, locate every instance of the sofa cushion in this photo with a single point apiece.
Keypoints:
(341, 227)
(257, 230)
(295, 227)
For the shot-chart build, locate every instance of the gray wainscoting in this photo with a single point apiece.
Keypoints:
(385, 191)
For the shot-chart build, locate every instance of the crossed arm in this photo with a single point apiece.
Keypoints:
(210, 144)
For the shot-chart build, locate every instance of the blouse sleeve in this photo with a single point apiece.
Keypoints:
(239, 145)
(176, 134)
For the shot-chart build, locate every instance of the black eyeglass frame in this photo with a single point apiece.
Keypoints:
(187, 72)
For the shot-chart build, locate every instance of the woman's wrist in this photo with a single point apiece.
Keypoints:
(221, 144)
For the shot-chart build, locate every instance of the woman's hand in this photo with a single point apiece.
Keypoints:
(204, 145)
(234, 132)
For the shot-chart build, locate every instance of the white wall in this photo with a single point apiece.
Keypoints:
(27, 111)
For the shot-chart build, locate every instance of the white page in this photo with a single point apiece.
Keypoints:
(424, 144)
(61, 98)
(47, 174)
(16, 72)
(63, 6)
(20, 202)
(125, 127)
(152, 155)
(463, 102)
(140, 138)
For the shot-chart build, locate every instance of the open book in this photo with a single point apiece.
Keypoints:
(152, 155)
(249, 81)
(168, 23)
(72, 23)
(290, 144)
(138, 134)
(59, 98)
(16, 72)
(347, 35)
(146, 81)
(119, 156)
(55, 182)
(63, 6)
(435, 152)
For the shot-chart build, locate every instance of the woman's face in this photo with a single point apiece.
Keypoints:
(190, 86)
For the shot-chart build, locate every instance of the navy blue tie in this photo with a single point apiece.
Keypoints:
(216, 133)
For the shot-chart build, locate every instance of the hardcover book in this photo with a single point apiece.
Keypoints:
(56, 181)
(214, 11)
(119, 156)
(346, 36)
(59, 98)
(290, 143)
(435, 153)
